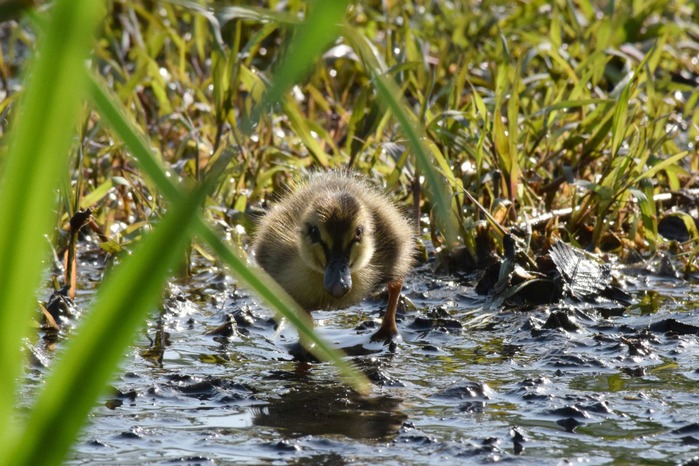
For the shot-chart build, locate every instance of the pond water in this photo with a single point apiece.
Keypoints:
(564, 383)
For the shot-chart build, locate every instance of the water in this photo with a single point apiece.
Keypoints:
(465, 385)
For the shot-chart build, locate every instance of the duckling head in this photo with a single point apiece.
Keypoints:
(336, 240)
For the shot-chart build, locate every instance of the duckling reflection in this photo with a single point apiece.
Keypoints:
(331, 409)
(333, 241)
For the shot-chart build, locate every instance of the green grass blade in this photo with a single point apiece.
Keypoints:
(278, 299)
(649, 213)
(310, 39)
(619, 125)
(439, 190)
(569, 104)
(40, 140)
(391, 97)
(135, 141)
(300, 126)
(662, 165)
(123, 301)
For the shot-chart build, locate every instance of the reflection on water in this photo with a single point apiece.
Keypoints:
(321, 409)
(331, 459)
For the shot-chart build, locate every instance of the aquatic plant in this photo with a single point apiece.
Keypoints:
(196, 111)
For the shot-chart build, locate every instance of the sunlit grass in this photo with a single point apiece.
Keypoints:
(32, 169)
(528, 107)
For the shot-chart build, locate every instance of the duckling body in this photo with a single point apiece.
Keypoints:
(334, 240)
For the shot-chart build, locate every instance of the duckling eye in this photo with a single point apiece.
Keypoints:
(359, 233)
(314, 233)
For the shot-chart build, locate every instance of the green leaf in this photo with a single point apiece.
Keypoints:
(310, 39)
(479, 106)
(568, 104)
(302, 130)
(111, 246)
(619, 125)
(649, 215)
(662, 165)
(93, 353)
(96, 194)
(39, 144)
(391, 97)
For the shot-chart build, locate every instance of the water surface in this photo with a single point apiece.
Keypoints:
(571, 382)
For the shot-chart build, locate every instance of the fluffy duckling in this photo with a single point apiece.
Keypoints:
(332, 241)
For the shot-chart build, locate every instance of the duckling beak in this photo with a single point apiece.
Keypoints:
(337, 278)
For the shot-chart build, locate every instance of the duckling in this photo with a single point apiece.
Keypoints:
(334, 240)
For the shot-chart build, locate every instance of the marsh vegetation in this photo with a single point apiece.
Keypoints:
(141, 139)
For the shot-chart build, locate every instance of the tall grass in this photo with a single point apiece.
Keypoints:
(32, 170)
(132, 290)
(192, 111)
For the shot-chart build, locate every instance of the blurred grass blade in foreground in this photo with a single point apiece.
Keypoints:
(93, 353)
(310, 39)
(41, 135)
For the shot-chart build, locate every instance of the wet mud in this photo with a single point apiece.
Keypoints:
(211, 381)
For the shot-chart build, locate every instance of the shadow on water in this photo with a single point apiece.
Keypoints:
(327, 408)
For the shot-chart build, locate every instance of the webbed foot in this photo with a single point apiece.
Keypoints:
(386, 334)
(300, 353)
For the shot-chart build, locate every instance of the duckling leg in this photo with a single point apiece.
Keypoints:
(388, 330)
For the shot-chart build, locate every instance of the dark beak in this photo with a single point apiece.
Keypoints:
(337, 279)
